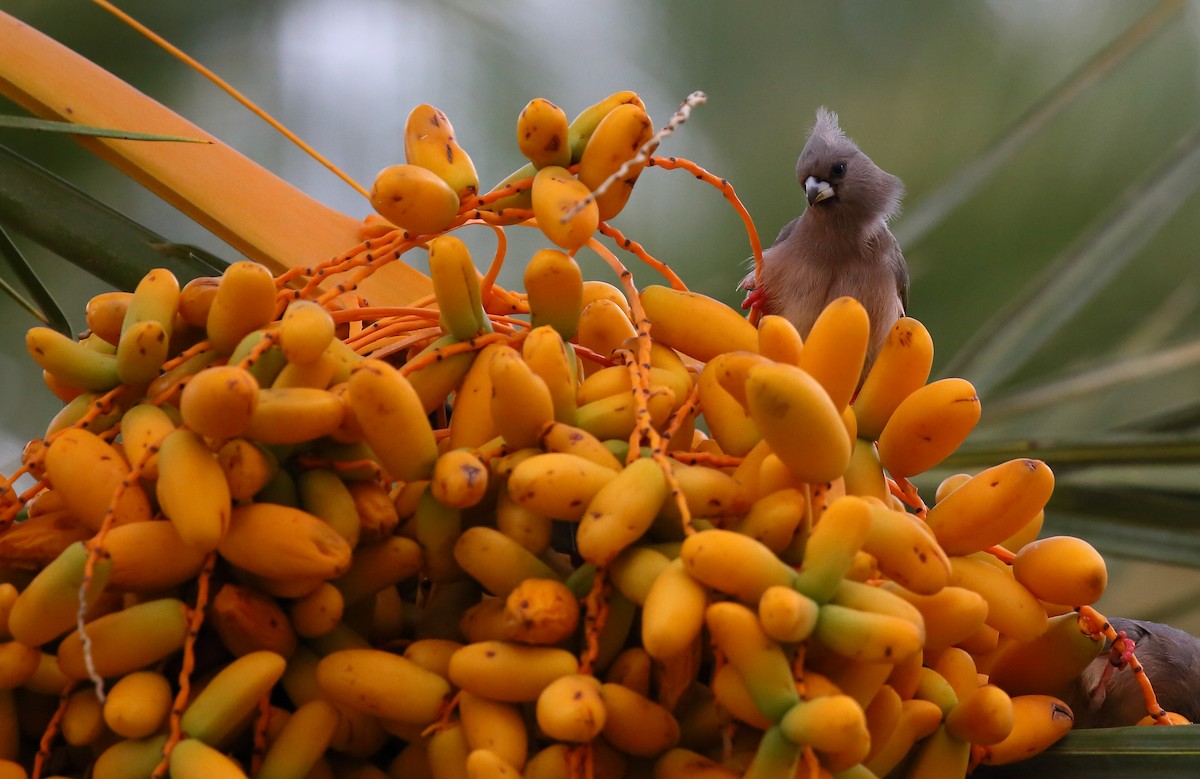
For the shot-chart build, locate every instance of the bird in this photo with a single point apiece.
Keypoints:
(840, 244)
(1107, 693)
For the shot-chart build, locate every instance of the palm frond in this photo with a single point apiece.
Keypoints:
(67, 128)
(263, 216)
(57, 215)
(1157, 526)
(966, 181)
(43, 306)
(1080, 452)
(1011, 336)
(1164, 753)
(1159, 367)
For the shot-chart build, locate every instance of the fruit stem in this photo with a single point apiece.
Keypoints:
(195, 620)
(51, 731)
(1001, 554)
(679, 163)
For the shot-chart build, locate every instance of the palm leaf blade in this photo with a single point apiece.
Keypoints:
(1014, 333)
(1164, 753)
(1157, 526)
(42, 125)
(44, 306)
(78, 228)
(245, 205)
(967, 180)
(1066, 454)
(1157, 377)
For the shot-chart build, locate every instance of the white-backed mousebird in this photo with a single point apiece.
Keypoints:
(841, 244)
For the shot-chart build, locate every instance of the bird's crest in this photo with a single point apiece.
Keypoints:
(869, 190)
(827, 127)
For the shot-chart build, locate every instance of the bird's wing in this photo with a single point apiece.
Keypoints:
(747, 281)
(901, 269)
(895, 258)
(786, 231)
(1135, 630)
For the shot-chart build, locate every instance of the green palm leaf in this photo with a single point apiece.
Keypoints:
(1014, 333)
(57, 215)
(44, 306)
(969, 178)
(45, 125)
(1163, 753)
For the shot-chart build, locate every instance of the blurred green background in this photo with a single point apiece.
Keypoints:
(1086, 111)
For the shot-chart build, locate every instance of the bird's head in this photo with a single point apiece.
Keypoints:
(838, 177)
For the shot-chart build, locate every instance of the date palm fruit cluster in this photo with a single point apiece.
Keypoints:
(275, 532)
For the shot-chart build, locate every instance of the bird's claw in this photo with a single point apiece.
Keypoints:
(1121, 651)
(755, 296)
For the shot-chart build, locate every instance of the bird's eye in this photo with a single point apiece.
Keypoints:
(838, 170)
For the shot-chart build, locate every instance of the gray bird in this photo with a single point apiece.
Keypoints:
(1108, 696)
(840, 245)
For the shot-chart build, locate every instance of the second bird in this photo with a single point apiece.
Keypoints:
(841, 244)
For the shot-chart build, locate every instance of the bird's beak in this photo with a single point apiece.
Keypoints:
(817, 190)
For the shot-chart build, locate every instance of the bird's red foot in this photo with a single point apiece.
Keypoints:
(755, 296)
(1121, 651)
